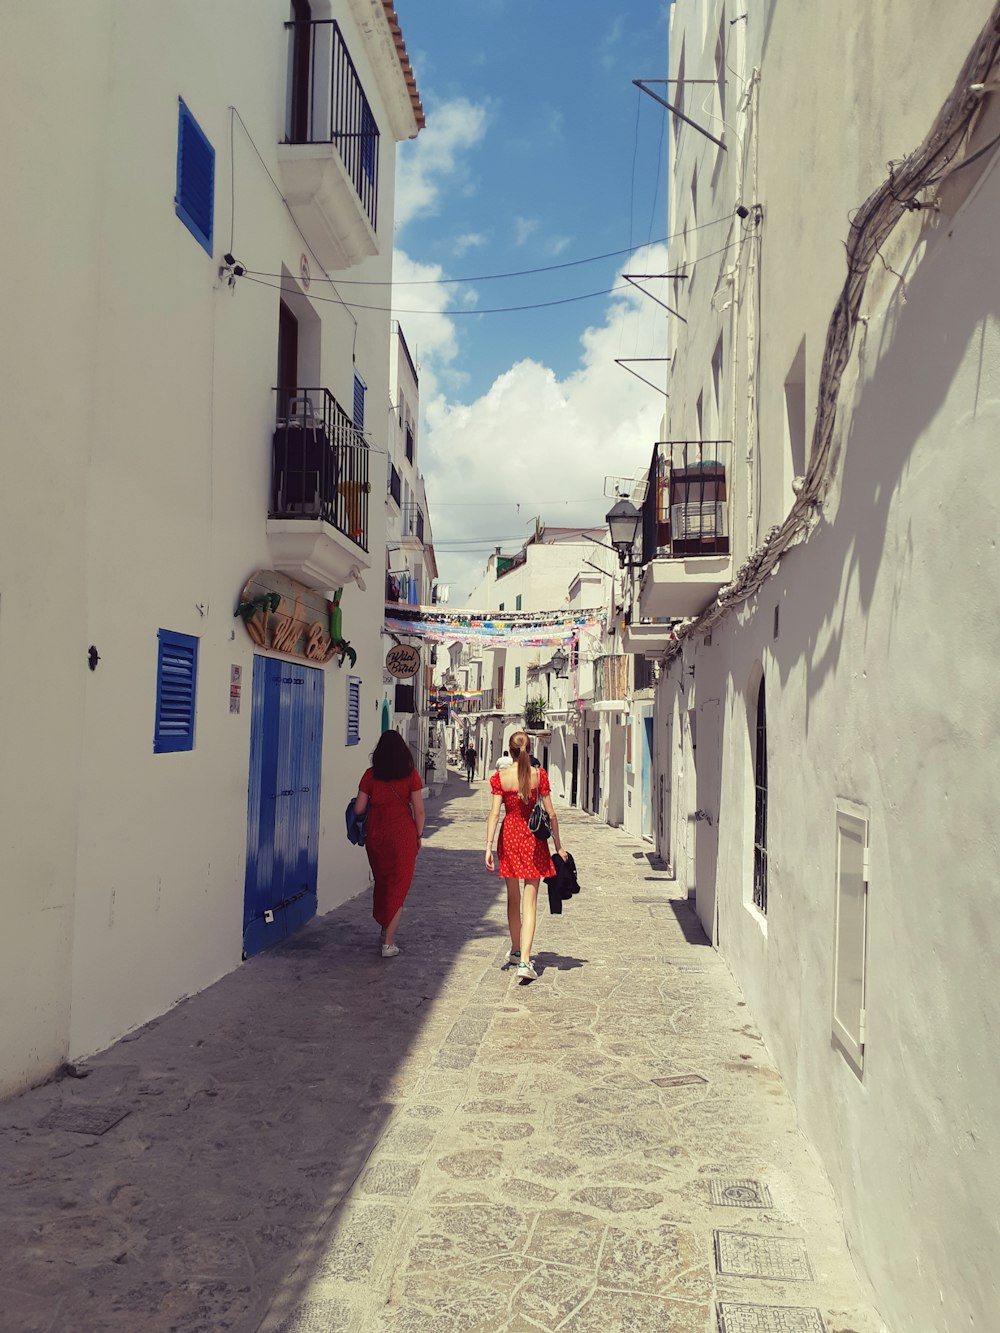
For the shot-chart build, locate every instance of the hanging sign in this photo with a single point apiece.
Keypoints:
(402, 661)
(287, 617)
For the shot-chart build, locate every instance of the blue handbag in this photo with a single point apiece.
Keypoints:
(357, 825)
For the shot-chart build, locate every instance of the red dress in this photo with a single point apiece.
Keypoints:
(522, 855)
(391, 841)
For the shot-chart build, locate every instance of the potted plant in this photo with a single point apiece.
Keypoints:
(534, 713)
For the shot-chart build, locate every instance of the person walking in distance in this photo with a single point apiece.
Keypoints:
(470, 762)
(392, 787)
(522, 856)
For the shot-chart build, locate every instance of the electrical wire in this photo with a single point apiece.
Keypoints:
(249, 276)
(495, 277)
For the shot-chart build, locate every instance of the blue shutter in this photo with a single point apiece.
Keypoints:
(359, 401)
(353, 710)
(195, 195)
(176, 688)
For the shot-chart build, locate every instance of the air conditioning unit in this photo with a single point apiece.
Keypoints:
(697, 519)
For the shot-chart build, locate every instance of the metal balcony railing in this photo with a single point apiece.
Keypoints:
(327, 104)
(686, 509)
(319, 463)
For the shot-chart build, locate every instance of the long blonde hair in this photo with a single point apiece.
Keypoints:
(519, 749)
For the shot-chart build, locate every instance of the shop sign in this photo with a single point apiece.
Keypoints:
(288, 618)
(402, 661)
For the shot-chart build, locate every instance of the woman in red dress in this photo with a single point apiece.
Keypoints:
(516, 789)
(391, 787)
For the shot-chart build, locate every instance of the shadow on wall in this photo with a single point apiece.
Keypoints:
(925, 340)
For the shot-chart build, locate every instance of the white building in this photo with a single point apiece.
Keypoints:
(411, 566)
(820, 522)
(183, 185)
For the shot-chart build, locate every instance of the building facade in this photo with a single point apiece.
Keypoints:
(197, 675)
(813, 581)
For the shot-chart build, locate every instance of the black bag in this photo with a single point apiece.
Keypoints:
(539, 822)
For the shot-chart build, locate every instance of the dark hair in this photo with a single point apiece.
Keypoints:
(391, 758)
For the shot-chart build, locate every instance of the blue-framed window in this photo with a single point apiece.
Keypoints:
(369, 141)
(359, 401)
(353, 710)
(195, 196)
(176, 690)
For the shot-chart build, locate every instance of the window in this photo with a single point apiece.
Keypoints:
(850, 929)
(517, 676)
(176, 682)
(760, 807)
(369, 142)
(501, 606)
(395, 485)
(194, 199)
(517, 604)
(409, 443)
(353, 710)
(359, 401)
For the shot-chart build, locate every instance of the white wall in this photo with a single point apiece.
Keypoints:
(152, 411)
(879, 679)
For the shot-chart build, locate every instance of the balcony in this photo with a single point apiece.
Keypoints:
(317, 523)
(648, 637)
(685, 529)
(330, 159)
(610, 683)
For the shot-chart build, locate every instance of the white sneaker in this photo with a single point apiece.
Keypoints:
(512, 956)
(525, 972)
(390, 950)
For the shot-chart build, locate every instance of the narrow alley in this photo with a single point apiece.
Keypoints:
(325, 1140)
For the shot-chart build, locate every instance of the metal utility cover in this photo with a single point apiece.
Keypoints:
(657, 902)
(679, 1080)
(740, 1194)
(769, 1319)
(743, 1255)
(86, 1119)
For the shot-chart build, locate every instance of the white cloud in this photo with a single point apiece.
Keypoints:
(539, 442)
(435, 157)
(471, 240)
(523, 228)
(558, 244)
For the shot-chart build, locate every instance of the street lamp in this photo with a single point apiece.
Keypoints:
(623, 520)
(559, 662)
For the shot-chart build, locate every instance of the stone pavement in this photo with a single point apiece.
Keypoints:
(328, 1141)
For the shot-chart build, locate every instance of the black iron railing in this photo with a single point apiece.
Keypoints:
(327, 104)
(686, 509)
(319, 463)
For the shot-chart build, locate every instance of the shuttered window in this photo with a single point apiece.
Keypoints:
(195, 195)
(353, 710)
(176, 688)
(359, 401)
(850, 932)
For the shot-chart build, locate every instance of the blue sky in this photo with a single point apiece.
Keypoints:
(538, 152)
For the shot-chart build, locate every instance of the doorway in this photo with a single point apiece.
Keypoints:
(595, 784)
(286, 741)
(574, 775)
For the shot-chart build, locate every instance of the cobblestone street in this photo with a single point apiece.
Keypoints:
(328, 1141)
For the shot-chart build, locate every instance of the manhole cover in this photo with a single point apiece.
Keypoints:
(769, 1319)
(741, 1194)
(679, 1080)
(743, 1255)
(85, 1119)
(658, 902)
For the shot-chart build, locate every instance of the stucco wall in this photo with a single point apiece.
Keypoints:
(144, 386)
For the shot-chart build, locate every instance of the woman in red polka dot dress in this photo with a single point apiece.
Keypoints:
(516, 789)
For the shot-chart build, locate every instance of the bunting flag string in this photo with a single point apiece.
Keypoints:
(490, 629)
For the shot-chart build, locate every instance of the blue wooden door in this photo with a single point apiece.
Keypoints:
(286, 742)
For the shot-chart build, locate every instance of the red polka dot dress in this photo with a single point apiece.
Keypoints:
(522, 855)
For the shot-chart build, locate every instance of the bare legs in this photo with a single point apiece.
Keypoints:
(389, 931)
(521, 915)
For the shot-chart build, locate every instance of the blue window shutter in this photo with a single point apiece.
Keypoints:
(359, 401)
(176, 689)
(353, 710)
(194, 200)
